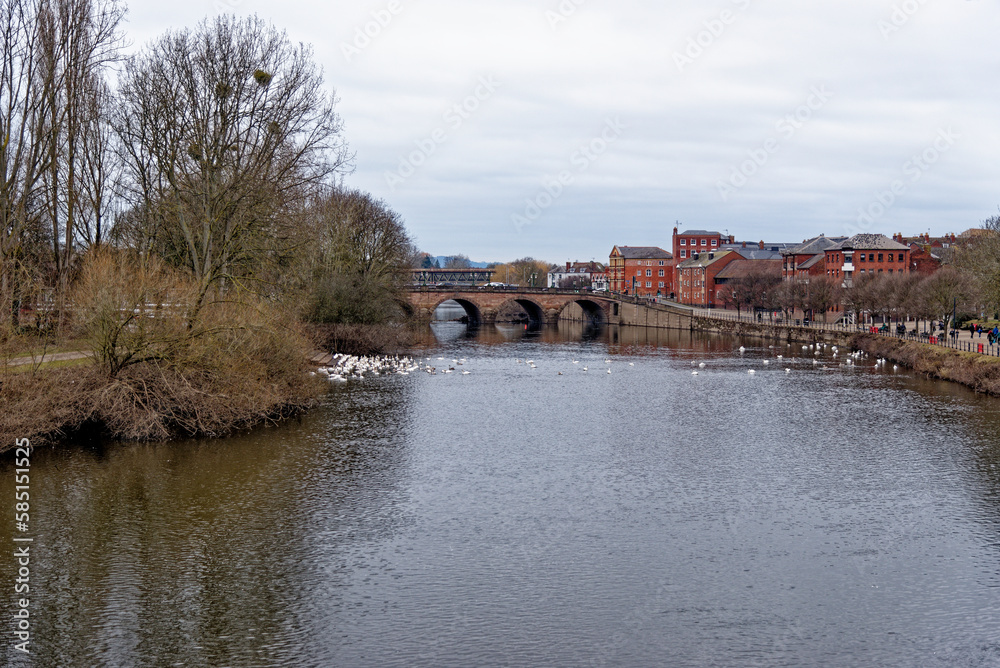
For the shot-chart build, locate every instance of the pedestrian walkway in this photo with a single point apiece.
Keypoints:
(961, 339)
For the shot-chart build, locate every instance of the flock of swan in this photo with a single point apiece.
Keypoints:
(349, 367)
(849, 360)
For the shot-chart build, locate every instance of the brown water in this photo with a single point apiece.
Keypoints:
(518, 517)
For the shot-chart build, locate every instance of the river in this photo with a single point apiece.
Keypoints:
(513, 516)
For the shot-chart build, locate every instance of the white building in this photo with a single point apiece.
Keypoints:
(576, 275)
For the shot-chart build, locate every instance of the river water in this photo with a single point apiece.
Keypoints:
(513, 516)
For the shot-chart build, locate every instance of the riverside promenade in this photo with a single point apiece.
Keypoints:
(916, 330)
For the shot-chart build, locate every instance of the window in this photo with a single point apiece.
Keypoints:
(684, 242)
(879, 257)
(661, 273)
(704, 242)
(715, 242)
(861, 258)
(901, 257)
(638, 272)
(871, 257)
(662, 263)
(649, 272)
(649, 284)
(661, 284)
(891, 257)
(684, 253)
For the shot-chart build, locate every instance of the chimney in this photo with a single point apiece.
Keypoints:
(744, 244)
(732, 239)
(762, 244)
(675, 231)
(567, 265)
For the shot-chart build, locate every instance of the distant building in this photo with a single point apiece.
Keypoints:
(741, 268)
(575, 275)
(646, 271)
(866, 254)
(757, 250)
(922, 260)
(808, 259)
(696, 276)
(599, 280)
(689, 242)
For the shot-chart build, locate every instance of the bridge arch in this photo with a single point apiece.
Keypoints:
(536, 314)
(472, 310)
(593, 310)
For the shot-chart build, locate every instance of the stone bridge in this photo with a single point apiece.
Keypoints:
(544, 306)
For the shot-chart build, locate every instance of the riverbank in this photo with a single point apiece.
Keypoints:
(975, 371)
(978, 372)
(205, 393)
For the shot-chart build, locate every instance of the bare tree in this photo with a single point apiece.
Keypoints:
(224, 130)
(458, 262)
(361, 260)
(948, 291)
(980, 258)
(822, 294)
(23, 154)
(78, 40)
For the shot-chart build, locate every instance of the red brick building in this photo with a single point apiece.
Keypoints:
(808, 259)
(646, 271)
(689, 242)
(696, 276)
(866, 254)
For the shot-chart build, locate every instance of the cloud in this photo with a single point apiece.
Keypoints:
(687, 128)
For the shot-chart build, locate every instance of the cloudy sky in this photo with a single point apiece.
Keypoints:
(559, 128)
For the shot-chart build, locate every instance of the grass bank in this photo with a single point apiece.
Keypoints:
(978, 372)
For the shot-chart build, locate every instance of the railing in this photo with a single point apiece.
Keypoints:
(952, 341)
(514, 289)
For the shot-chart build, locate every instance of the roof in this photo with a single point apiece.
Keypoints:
(705, 258)
(974, 232)
(644, 253)
(815, 245)
(812, 262)
(578, 268)
(743, 267)
(872, 242)
(699, 233)
(755, 253)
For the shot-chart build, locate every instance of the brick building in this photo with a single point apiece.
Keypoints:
(695, 280)
(808, 259)
(646, 271)
(689, 242)
(866, 254)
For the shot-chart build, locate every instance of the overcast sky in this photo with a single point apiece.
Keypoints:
(558, 129)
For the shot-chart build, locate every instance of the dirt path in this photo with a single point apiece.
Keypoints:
(49, 357)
